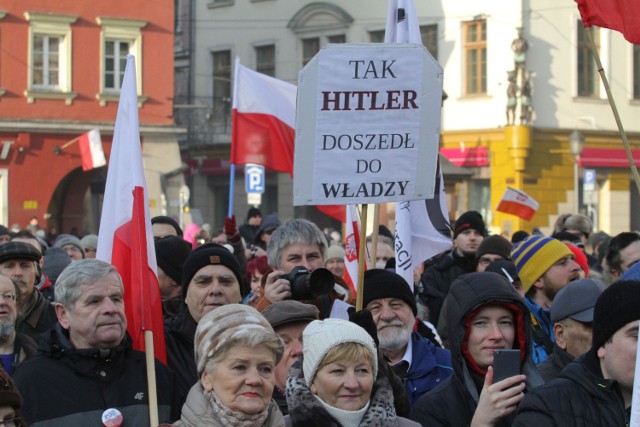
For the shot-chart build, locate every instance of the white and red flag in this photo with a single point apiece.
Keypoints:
(518, 203)
(352, 248)
(422, 226)
(125, 238)
(264, 122)
(91, 150)
(619, 15)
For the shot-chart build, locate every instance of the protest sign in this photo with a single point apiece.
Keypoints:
(367, 125)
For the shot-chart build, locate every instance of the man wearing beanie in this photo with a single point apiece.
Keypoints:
(163, 226)
(249, 229)
(596, 389)
(89, 245)
(71, 245)
(468, 232)
(545, 265)
(335, 260)
(415, 359)
(171, 253)
(211, 278)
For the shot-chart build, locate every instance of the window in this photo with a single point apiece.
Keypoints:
(317, 24)
(118, 38)
(266, 60)
(588, 83)
(376, 36)
(475, 57)
(115, 61)
(429, 35)
(222, 91)
(309, 48)
(636, 71)
(49, 72)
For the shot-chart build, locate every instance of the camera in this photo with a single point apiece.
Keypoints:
(306, 285)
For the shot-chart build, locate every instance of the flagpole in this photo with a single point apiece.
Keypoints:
(151, 378)
(232, 181)
(373, 253)
(614, 108)
(361, 258)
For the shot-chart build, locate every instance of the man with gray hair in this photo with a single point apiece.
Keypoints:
(86, 372)
(298, 243)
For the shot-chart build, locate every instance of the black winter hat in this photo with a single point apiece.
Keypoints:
(618, 305)
(469, 220)
(209, 254)
(496, 245)
(171, 253)
(55, 261)
(380, 283)
(161, 219)
(253, 211)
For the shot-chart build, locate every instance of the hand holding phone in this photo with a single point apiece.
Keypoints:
(506, 364)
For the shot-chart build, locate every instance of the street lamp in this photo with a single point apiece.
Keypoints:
(576, 145)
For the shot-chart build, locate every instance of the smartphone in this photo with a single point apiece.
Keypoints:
(506, 363)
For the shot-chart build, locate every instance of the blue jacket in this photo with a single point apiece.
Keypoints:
(543, 329)
(430, 365)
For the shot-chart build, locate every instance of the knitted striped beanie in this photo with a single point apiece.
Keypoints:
(534, 255)
(227, 325)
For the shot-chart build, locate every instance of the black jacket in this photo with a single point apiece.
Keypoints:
(64, 386)
(454, 402)
(37, 318)
(578, 397)
(550, 369)
(179, 336)
(437, 279)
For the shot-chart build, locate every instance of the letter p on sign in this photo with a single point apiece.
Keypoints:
(254, 179)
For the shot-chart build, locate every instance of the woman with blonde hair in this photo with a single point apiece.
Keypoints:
(337, 383)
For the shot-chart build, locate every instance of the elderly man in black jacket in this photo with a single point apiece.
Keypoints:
(597, 388)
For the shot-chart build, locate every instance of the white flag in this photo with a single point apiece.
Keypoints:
(422, 226)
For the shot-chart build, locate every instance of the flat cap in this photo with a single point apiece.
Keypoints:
(576, 301)
(19, 250)
(289, 311)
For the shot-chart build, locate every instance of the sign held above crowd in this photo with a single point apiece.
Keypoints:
(367, 125)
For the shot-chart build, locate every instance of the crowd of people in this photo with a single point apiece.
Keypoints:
(261, 330)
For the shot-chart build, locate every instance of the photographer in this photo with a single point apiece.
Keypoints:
(300, 243)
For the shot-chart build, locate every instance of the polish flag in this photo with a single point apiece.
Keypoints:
(518, 203)
(422, 226)
(91, 150)
(352, 248)
(264, 122)
(619, 15)
(125, 239)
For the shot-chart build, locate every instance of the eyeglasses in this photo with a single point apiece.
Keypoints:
(8, 297)
(11, 422)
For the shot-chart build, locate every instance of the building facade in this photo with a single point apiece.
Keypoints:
(61, 67)
(519, 80)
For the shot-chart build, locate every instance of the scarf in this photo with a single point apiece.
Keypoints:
(231, 418)
(305, 409)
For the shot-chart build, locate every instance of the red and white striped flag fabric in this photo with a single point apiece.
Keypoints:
(619, 15)
(125, 238)
(422, 226)
(518, 203)
(352, 248)
(264, 122)
(91, 150)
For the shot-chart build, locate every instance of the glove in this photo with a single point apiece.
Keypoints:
(364, 319)
(231, 229)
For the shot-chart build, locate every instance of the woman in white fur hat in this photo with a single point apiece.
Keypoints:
(337, 383)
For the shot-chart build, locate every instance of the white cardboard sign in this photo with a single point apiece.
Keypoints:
(367, 125)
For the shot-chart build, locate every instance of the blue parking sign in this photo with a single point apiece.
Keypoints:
(254, 178)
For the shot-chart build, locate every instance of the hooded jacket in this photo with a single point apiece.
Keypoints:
(453, 403)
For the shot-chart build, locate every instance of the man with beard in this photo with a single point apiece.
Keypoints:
(19, 261)
(468, 232)
(14, 348)
(545, 265)
(415, 359)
